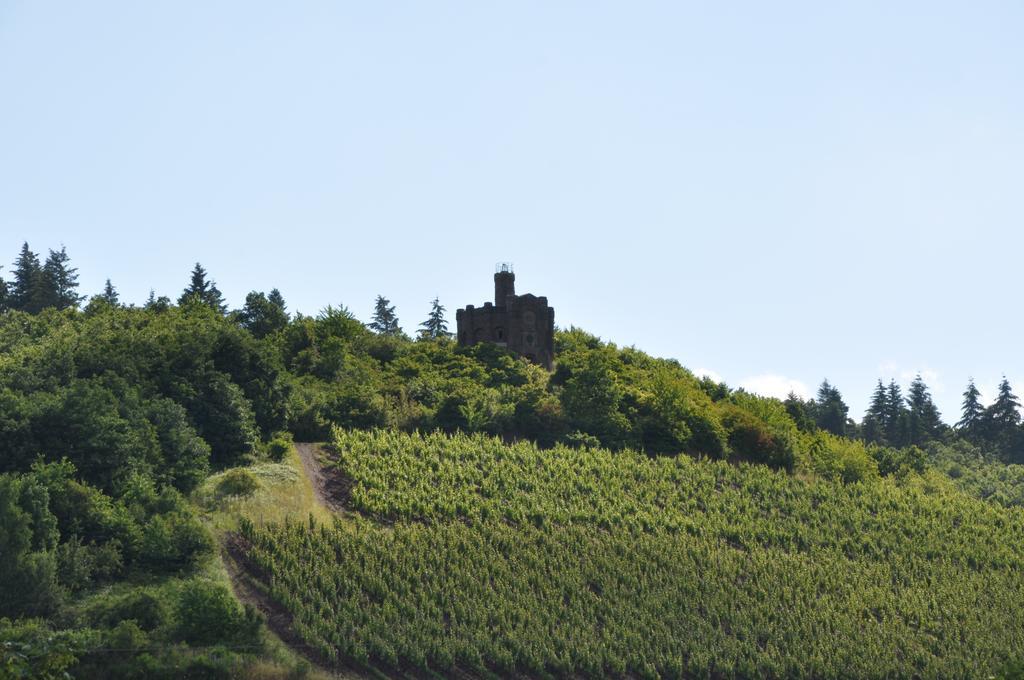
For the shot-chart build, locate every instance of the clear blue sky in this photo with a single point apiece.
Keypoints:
(775, 192)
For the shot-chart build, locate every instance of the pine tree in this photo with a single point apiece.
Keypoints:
(203, 291)
(385, 321)
(876, 418)
(831, 411)
(973, 412)
(896, 425)
(275, 298)
(27, 272)
(109, 294)
(435, 326)
(151, 300)
(1004, 413)
(59, 282)
(925, 423)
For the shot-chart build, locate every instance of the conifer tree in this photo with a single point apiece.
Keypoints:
(275, 298)
(26, 274)
(876, 417)
(896, 425)
(109, 294)
(925, 423)
(203, 291)
(973, 412)
(435, 326)
(3, 295)
(831, 410)
(59, 282)
(1004, 414)
(385, 321)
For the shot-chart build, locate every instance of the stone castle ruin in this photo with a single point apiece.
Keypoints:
(523, 323)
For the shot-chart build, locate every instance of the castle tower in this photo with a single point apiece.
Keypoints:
(524, 324)
(504, 284)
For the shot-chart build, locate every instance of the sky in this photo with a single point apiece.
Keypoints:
(771, 193)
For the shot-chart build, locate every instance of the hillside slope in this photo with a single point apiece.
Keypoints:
(473, 554)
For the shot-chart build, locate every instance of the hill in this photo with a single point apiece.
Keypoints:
(125, 432)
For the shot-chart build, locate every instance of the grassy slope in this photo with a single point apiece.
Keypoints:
(284, 492)
(508, 558)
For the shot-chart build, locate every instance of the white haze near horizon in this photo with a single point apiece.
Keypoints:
(774, 192)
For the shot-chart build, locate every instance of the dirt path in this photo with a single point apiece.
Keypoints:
(330, 490)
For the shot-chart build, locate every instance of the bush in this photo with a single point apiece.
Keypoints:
(237, 483)
(174, 541)
(144, 607)
(279, 446)
(208, 615)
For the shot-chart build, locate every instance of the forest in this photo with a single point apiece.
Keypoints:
(115, 417)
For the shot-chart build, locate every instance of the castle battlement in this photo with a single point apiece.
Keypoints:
(524, 324)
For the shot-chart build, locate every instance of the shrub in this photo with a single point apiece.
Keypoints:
(208, 615)
(279, 446)
(174, 541)
(237, 483)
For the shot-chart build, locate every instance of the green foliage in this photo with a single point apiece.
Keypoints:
(580, 561)
(31, 649)
(28, 536)
(202, 292)
(237, 482)
(279, 446)
(207, 614)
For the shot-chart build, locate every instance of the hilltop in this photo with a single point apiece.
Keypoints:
(132, 436)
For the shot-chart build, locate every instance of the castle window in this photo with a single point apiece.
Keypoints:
(499, 333)
(529, 339)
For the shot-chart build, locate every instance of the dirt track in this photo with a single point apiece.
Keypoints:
(330, 491)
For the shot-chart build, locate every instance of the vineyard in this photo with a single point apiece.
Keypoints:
(466, 552)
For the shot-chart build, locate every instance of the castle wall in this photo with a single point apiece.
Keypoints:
(525, 324)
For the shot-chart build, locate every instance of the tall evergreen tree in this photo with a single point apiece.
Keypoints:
(26, 280)
(275, 298)
(896, 425)
(435, 326)
(3, 295)
(109, 294)
(973, 413)
(925, 423)
(59, 282)
(831, 410)
(876, 418)
(1002, 423)
(385, 321)
(1005, 412)
(203, 290)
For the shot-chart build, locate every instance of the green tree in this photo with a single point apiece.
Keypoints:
(58, 282)
(591, 398)
(203, 291)
(26, 281)
(385, 321)
(925, 423)
(801, 412)
(261, 315)
(876, 417)
(109, 294)
(28, 538)
(3, 295)
(1002, 421)
(435, 326)
(831, 410)
(896, 425)
(973, 413)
